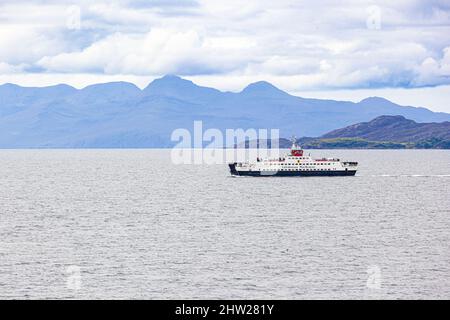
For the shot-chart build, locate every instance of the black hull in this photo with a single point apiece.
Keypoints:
(337, 173)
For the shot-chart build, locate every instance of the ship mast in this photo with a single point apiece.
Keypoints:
(294, 142)
(296, 150)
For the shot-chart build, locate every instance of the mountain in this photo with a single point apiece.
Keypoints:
(175, 87)
(264, 89)
(14, 98)
(393, 128)
(385, 132)
(119, 114)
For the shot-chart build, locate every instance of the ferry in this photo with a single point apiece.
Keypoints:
(295, 164)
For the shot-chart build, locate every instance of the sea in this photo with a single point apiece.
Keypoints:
(132, 224)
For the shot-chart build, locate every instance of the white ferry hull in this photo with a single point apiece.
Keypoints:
(291, 173)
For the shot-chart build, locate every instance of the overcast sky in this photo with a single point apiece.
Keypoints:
(329, 49)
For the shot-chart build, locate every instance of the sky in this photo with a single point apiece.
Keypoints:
(345, 50)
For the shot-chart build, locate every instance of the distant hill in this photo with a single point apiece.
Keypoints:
(120, 115)
(393, 128)
(384, 132)
(389, 132)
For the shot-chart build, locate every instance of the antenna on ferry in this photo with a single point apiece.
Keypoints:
(294, 141)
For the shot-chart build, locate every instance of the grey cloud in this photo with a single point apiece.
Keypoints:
(319, 45)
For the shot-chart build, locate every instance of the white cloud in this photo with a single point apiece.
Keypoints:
(159, 51)
(26, 44)
(432, 72)
(7, 68)
(297, 44)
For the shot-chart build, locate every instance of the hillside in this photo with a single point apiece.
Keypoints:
(393, 128)
(384, 132)
(387, 132)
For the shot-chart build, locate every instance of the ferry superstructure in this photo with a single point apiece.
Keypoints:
(294, 163)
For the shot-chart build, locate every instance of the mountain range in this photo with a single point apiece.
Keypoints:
(119, 114)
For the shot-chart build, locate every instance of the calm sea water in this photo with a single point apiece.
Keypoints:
(130, 224)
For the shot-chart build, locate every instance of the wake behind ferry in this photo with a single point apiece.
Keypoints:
(294, 164)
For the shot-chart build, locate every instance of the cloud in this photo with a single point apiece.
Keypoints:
(299, 44)
(7, 68)
(433, 72)
(27, 44)
(159, 51)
